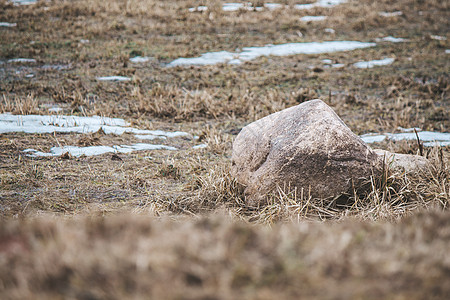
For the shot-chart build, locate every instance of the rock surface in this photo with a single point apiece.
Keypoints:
(404, 162)
(306, 147)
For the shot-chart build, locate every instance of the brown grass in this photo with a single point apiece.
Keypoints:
(20, 106)
(141, 257)
(389, 243)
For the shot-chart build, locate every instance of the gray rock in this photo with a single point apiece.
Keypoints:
(306, 147)
(404, 162)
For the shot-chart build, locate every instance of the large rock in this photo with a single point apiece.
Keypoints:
(307, 147)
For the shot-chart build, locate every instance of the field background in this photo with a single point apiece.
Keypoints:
(176, 225)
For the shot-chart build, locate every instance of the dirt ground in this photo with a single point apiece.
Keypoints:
(174, 224)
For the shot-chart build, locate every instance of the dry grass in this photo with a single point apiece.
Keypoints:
(179, 104)
(141, 257)
(390, 197)
(390, 242)
(20, 106)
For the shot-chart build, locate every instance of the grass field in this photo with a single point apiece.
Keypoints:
(174, 224)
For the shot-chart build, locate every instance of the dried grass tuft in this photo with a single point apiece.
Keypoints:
(391, 196)
(17, 105)
(139, 256)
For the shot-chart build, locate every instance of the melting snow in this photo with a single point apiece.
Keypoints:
(51, 124)
(369, 138)
(250, 53)
(329, 30)
(114, 78)
(329, 63)
(210, 58)
(409, 129)
(160, 133)
(313, 18)
(21, 60)
(320, 3)
(201, 146)
(23, 2)
(96, 150)
(373, 63)
(447, 51)
(390, 14)
(338, 66)
(140, 59)
(273, 6)
(432, 144)
(238, 6)
(6, 24)
(149, 137)
(431, 138)
(391, 39)
(234, 6)
(438, 37)
(427, 136)
(198, 8)
(270, 6)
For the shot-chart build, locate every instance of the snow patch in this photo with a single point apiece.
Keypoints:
(95, 150)
(160, 133)
(320, 3)
(426, 136)
(447, 51)
(114, 78)
(149, 137)
(198, 8)
(409, 129)
(233, 7)
(21, 60)
(270, 6)
(432, 144)
(201, 146)
(438, 37)
(373, 63)
(274, 6)
(391, 39)
(140, 59)
(250, 53)
(23, 2)
(210, 58)
(431, 138)
(238, 6)
(338, 66)
(329, 30)
(312, 18)
(370, 138)
(6, 24)
(52, 123)
(390, 14)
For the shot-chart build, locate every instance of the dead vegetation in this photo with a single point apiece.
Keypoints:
(20, 106)
(390, 242)
(223, 258)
